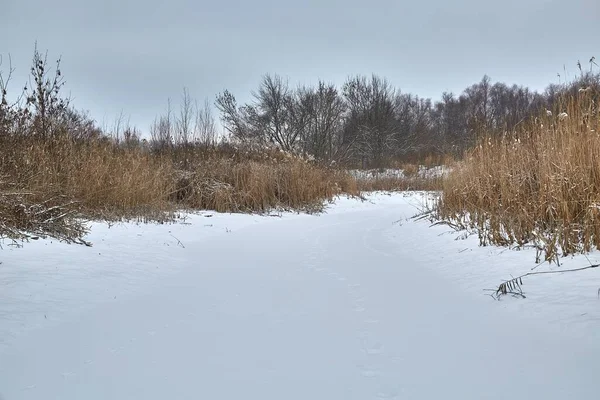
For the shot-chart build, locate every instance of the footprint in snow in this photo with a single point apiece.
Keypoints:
(397, 359)
(67, 375)
(117, 350)
(377, 348)
(363, 334)
(369, 372)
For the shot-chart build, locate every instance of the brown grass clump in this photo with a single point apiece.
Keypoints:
(105, 180)
(226, 184)
(539, 185)
(48, 184)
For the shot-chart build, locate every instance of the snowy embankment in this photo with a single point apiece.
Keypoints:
(358, 303)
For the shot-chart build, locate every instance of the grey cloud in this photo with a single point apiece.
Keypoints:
(132, 55)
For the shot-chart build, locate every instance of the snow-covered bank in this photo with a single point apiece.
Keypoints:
(356, 303)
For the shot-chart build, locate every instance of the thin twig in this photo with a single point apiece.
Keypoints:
(559, 272)
(178, 241)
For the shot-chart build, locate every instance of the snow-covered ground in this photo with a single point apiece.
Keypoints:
(358, 303)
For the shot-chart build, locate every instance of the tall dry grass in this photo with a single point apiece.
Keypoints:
(537, 186)
(103, 179)
(226, 184)
(46, 184)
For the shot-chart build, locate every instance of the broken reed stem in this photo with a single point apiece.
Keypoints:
(514, 285)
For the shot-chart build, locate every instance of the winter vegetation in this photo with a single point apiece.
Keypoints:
(346, 304)
(57, 166)
(538, 184)
(519, 167)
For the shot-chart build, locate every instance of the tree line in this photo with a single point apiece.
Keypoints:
(366, 122)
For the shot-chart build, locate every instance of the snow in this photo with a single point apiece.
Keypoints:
(360, 302)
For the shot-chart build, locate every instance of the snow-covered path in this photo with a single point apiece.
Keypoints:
(346, 305)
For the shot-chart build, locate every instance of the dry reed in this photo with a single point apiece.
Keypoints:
(47, 184)
(537, 186)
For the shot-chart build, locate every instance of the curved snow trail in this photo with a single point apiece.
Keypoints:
(311, 308)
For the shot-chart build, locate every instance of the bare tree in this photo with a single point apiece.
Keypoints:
(118, 127)
(4, 81)
(235, 119)
(5, 108)
(161, 131)
(40, 109)
(414, 118)
(478, 97)
(205, 125)
(183, 123)
(324, 109)
(275, 116)
(122, 131)
(277, 113)
(131, 137)
(371, 119)
(44, 96)
(450, 124)
(510, 106)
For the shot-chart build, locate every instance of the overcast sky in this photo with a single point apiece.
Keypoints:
(132, 55)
